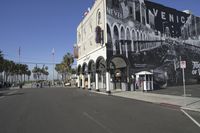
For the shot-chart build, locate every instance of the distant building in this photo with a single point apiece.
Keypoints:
(134, 44)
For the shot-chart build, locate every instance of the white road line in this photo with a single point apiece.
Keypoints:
(2, 97)
(13, 92)
(97, 122)
(191, 118)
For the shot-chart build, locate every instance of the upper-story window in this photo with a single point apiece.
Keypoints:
(84, 32)
(79, 37)
(91, 27)
(98, 17)
(130, 10)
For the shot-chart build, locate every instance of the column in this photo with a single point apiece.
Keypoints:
(102, 80)
(89, 81)
(83, 82)
(145, 16)
(97, 82)
(137, 45)
(132, 47)
(141, 12)
(126, 43)
(108, 82)
(134, 15)
(152, 83)
(78, 79)
(120, 47)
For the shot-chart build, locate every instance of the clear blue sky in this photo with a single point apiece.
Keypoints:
(38, 26)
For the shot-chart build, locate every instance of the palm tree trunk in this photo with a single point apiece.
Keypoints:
(21, 77)
(24, 77)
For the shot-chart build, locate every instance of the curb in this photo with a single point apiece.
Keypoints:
(172, 106)
(99, 92)
(190, 109)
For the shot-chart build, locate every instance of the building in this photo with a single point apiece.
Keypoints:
(132, 44)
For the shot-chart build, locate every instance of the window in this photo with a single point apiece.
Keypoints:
(84, 32)
(130, 10)
(84, 47)
(98, 18)
(79, 37)
(90, 26)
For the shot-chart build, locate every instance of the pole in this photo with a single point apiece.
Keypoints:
(53, 53)
(53, 69)
(19, 52)
(184, 82)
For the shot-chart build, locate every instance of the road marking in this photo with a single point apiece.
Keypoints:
(97, 122)
(13, 92)
(2, 97)
(191, 118)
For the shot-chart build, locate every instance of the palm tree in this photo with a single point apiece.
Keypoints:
(1, 65)
(28, 73)
(64, 68)
(46, 72)
(36, 73)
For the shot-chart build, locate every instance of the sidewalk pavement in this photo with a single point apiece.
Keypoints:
(188, 103)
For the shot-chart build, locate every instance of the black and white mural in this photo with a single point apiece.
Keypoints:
(150, 37)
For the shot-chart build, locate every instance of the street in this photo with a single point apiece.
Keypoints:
(73, 110)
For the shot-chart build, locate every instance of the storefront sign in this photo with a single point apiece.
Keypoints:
(165, 16)
(196, 68)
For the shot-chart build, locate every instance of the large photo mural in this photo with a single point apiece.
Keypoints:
(143, 36)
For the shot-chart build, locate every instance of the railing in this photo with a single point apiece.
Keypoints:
(125, 46)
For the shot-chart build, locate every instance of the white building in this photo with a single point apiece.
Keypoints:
(112, 39)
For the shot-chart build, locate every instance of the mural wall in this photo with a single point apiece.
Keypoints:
(152, 37)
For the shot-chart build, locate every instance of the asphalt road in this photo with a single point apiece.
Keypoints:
(70, 110)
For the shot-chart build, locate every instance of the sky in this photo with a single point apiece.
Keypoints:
(38, 26)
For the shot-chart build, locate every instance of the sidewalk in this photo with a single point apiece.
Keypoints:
(188, 103)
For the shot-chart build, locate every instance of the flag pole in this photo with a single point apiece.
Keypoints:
(53, 57)
(19, 52)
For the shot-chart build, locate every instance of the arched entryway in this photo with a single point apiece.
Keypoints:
(101, 73)
(119, 73)
(115, 39)
(84, 76)
(91, 74)
(79, 72)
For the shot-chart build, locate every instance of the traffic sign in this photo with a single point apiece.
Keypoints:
(183, 64)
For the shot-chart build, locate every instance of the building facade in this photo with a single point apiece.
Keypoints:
(135, 45)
